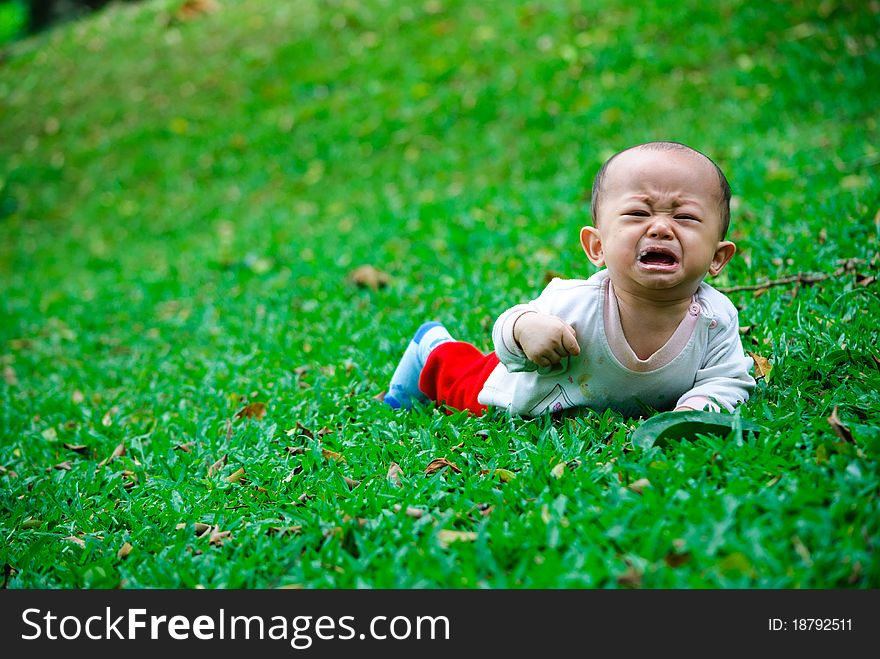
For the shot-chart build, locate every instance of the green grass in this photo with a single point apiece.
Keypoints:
(181, 203)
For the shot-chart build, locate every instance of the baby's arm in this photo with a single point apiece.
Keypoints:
(530, 337)
(723, 379)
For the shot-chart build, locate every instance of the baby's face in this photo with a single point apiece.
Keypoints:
(658, 227)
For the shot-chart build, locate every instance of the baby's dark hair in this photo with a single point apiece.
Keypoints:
(724, 186)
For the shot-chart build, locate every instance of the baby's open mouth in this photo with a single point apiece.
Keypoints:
(657, 256)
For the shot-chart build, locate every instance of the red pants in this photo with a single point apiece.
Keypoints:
(454, 375)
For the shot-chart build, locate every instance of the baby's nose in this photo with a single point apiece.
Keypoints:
(659, 229)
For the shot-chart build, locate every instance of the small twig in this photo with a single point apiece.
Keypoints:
(847, 265)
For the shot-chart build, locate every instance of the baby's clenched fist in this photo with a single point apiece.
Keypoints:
(545, 340)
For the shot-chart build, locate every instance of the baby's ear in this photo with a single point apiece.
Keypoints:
(723, 253)
(591, 241)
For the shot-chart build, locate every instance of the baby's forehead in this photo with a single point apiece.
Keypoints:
(638, 164)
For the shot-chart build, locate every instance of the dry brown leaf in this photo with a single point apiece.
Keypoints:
(367, 276)
(124, 550)
(415, 513)
(117, 452)
(558, 471)
(77, 397)
(228, 429)
(351, 482)
(632, 578)
(839, 429)
(217, 466)
(300, 429)
(332, 455)
(394, 472)
(236, 476)
(9, 376)
(763, 367)
(82, 449)
(380, 396)
(200, 528)
(217, 536)
(447, 537)
(324, 431)
(252, 411)
(63, 466)
(76, 541)
(186, 448)
(295, 450)
(678, 555)
(440, 463)
(639, 485)
(193, 9)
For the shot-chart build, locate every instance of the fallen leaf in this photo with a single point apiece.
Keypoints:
(558, 471)
(124, 551)
(50, 434)
(300, 429)
(367, 276)
(76, 541)
(639, 485)
(9, 376)
(380, 396)
(192, 9)
(676, 559)
(236, 476)
(439, 463)
(632, 578)
(447, 537)
(351, 482)
(252, 411)
(82, 449)
(823, 236)
(394, 472)
(324, 431)
(77, 397)
(763, 367)
(228, 429)
(295, 450)
(217, 466)
(186, 448)
(7, 472)
(839, 429)
(217, 536)
(119, 451)
(31, 523)
(63, 466)
(332, 455)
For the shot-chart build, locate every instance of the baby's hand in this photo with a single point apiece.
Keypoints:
(545, 340)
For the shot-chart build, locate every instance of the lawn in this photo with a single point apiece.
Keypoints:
(189, 367)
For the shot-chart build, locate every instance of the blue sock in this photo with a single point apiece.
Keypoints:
(403, 390)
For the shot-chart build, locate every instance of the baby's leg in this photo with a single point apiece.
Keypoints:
(454, 375)
(404, 388)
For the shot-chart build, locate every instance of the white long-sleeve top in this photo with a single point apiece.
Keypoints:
(702, 364)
